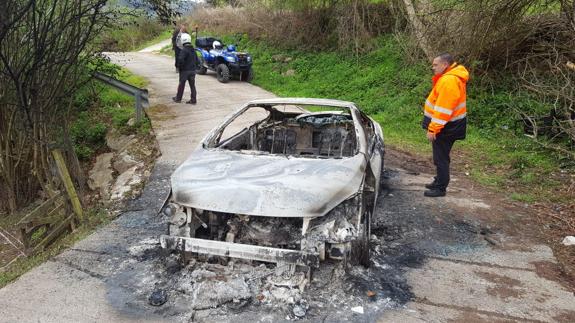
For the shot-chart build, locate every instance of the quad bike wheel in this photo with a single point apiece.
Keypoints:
(248, 75)
(223, 73)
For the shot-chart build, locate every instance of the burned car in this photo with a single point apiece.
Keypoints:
(287, 180)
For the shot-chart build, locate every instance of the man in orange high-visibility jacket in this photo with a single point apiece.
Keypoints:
(445, 117)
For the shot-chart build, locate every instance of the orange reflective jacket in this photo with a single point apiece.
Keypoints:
(446, 102)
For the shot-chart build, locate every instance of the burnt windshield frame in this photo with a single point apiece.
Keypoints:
(279, 112)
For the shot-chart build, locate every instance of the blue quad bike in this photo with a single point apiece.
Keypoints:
(226, 61)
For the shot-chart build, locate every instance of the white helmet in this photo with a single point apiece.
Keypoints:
(217, 45)
(185, 38)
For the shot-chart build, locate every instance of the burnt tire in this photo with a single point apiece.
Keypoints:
(359, 253)
(382, 182)
(361, 247)
(223, 73)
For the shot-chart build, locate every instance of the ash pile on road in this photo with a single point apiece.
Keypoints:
(209, 291)
(239, 290)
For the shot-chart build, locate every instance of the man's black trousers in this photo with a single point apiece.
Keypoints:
(190, 77)
(441, 149)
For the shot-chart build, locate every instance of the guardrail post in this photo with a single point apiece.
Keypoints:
(138, 106)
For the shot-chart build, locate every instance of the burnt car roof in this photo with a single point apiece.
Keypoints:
(302, 101)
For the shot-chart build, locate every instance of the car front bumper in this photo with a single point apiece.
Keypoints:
(238, 250)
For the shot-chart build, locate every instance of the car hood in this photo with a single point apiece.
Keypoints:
(265, 185)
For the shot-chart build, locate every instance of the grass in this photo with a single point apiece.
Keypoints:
(528, 198)
(392, 91)
(166, 34)
(99, 107)
(134, 33)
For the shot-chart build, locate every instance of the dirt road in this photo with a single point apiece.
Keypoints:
(448, 259)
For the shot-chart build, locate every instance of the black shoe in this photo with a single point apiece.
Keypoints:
(175, 99)
(431, 185)
(435, 192)
(191, 102)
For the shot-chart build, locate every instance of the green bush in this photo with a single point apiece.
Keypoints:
(133, 34)
(120, 115)
(83, 152)
(97, 107)
(85, 130)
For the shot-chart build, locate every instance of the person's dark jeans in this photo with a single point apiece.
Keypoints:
(441, 149)
(177, 53)
(190, 77)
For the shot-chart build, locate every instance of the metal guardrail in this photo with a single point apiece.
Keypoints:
(140, 95)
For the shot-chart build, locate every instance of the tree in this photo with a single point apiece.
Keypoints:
(45, 50)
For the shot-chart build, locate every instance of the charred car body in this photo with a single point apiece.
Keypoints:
(282, 180)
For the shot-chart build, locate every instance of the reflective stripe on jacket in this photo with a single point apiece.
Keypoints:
(446, 102)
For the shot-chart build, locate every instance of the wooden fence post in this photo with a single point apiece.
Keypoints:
(68, 184)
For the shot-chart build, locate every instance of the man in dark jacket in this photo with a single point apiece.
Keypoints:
(174, 46)
(186, 63)
(176, 41)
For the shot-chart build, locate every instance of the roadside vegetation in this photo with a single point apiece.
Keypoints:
(40, 82)
(135, 33)
(48, 99)
(98, 109)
